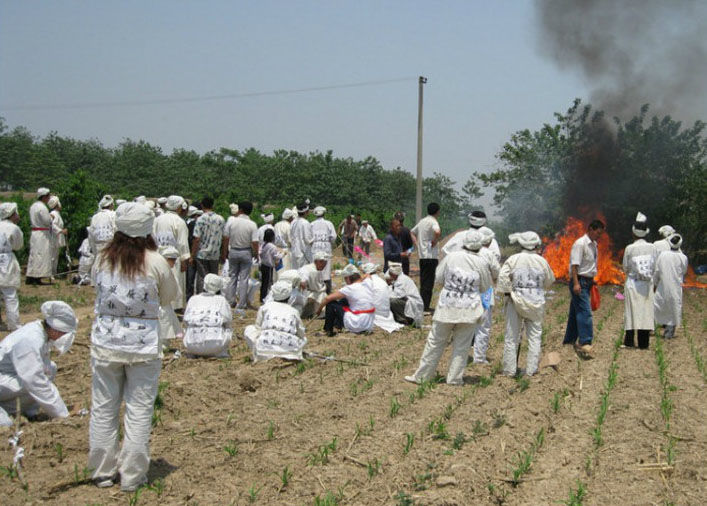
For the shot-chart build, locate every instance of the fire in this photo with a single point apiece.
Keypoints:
(691, 280)
(557, 253)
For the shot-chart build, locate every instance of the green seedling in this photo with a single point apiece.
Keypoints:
(253, 493)
(577, 496)
(459, 441)
(409, 441)
(270, 434)
(394, 407)
(59, 449)
(231, 449)
(373, 467)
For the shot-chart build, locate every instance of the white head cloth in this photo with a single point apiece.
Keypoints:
(287, 214)
(369, 267)
(349, 270)
(7, 209)
(303, 207)
(675, 241)
(174, 202)
(527, 240)
(151, 204)
(134, 219)
(666, 231)
(191, 211)
(291, 275)
(640, 219)
(233, 208)
(267, 218)
(120, 201)
(321, 255)
(395, 268)
(319, 211)
(477, 219)
(162, 200)
(59, 316)
(141, 199)
(53, 202)
(169, 252)
(41, 192)
(213, 283)
(488, 235)
(473, 240)
(281, 290)
(199, 212)
(106, 201)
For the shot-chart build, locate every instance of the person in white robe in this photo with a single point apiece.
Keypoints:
(11, 240)
(278, 331)
(161, 207)
(170, 328)
(367, 235)
(405, 300)
(297, 297)
(638, 264)
(477, 219)
(324, 239)
(282, 230)
(351, 307)
(267, 225)
(59, 232)
(668, 276)
(301, 238)
(26, 371)
(86, 258)
(483, 331)
(170, 229)
(126, 351)
(662, 244)
(381, 299)
(464, 276)
(102, 225)
(39, 264)
(208, 321)
(523, 280)
(312, 285)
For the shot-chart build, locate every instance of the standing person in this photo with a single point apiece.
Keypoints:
(367, 236)
(59, 232)
(405, 301)
(269, 258)
(170, 229)
(670, 270)
(407, 241)
(483, 331)
(583, 268)
(464, 275)
(102, 225)
(392, 246)
(351, 307)
(662, 244)
(477, 221)
(206, 246)
(301, 238)
(523, 279)
(132, 282)
(268, 219)
(39, 264)
(26, 370)
(240, 247)
(192, 214)
(324, 236)
(282, 230)
(638, 264)
(427, 234)
(208, 320)
(11, 239)
(348, 229)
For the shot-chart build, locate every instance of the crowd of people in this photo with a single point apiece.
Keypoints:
(150, 260)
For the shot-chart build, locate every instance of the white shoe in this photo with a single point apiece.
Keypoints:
(412, 379)
(104, 482)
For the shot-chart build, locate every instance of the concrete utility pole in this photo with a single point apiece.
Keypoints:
(418, 193)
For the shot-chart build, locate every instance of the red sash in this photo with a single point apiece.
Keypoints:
(362, 311)
(38, 228)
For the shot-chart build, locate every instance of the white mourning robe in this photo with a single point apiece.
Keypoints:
(169, 229)
(526, 276)
(381, 301)
(39, 264)
(670, 270)
(86, 259)
(282, 231)
(457, 240)
(11, 239)
(639, 264)
(101, 230)
(208, 321)
(302, 238)
(324, 238)
(278, 332)
(402, 287)
(464, 275)
(58, 239)
(315, 289)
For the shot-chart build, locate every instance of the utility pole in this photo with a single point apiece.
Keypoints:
(418, 193)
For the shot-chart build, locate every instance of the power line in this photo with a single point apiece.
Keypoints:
(90, 105)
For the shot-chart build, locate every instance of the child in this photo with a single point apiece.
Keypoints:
(270, 256)
(208, 320)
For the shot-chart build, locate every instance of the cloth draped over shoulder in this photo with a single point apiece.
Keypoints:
(381, 301)
(526, 276)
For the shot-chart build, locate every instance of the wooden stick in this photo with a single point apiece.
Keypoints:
(355, 461)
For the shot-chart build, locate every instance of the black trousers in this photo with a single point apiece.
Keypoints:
(348, 246)
(266, 275)
(427, 279)
(406, 265)
(334, 315)
(643, 338)
(397, 307)
(191, 278)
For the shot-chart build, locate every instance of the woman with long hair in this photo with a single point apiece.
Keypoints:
(132, 281)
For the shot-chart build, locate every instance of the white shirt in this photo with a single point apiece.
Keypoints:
(282, 230)
(169, 229)
(402, 287)
(277, 332)
(101, 230)
(526, 276)
(367, 234)
(381, 301)
(360, 298)
(425, 231)
(584, 255)
(670, 269)
(57, 228)
(241, 232)
(315, 287)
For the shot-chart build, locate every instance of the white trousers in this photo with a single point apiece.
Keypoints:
(12, 306)
(112, 383)
(481, 337)
(533, 331)
(460, 334)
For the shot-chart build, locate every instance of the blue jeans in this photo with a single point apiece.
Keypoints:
(579, 322)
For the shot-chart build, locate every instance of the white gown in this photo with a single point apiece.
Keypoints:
(638, 264)
(277, 332)
(381, 301)
(324, 237)
(39, 264)
(208, 321)
(169, 229)
(402, 287)
(302, 238)
(670, 269)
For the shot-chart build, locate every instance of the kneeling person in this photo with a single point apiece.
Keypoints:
(208, 319)
(351, 306)
(313, 286)
(405, 300)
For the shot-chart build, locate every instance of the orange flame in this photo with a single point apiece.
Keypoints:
(557, 254)
(691, 280)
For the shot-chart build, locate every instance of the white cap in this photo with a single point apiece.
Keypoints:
(369, 267)
(53, 202)
(319, 211)
(7, 209)
(41, 192)
(281, 290)
(106, 201)
(321, 255)
(140, 199)
(675, 241)
(473, 240)
(162, 200)
(267, 218)
(134, 219)
(233, 208)
(488, 235)
(666, 231)
(120, 201)
(641, 219)
(174, 202)
(213, 283)
(527, 240)
(59, 316)
(287, 214)
(291, 275)
(477, 218)
(349, 270)
(395, 268)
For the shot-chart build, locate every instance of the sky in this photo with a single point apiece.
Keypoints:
(486, 76)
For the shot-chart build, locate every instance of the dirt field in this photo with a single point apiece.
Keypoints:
(327, 432)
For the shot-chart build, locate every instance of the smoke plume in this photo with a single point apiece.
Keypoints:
(632, 52)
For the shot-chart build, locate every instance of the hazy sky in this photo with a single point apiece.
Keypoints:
(486, 77)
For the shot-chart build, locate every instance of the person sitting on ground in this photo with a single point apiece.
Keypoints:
(208, 321)
(351, 306)
(405, 300)
(523, 278)
(312, 285)
(278, 329)
(297, 298)
(26, 372)
(381, 299)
